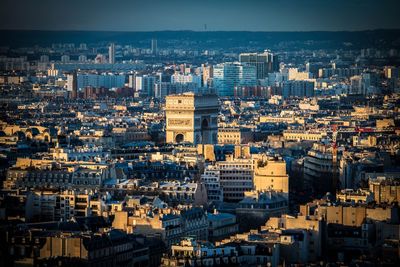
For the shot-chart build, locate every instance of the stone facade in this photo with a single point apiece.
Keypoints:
(192, 118)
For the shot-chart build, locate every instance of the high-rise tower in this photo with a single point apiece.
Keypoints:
(111, 53)
(154, 46)
(265, 62)
(72, 85)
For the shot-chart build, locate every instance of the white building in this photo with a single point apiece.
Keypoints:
(111, 53)
(186, 78)
(101, 80)
(211, 180)
(236, 178)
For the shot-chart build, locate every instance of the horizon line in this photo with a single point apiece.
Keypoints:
(200, 31)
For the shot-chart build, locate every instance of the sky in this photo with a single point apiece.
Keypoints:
(218, 15)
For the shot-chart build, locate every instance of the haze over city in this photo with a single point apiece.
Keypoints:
(222, 15)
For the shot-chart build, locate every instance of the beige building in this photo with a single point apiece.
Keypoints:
(300, 135)
(34, 133)
(167, 223)
(37, 173)
(312, 225)
(207, 151)
(356, 196)
(349, 215)
(192, 118)
(277, 119)
(113, 248)
(385, 124)
(385, 190)
(235, 135)
(271, 174)
(56, 206)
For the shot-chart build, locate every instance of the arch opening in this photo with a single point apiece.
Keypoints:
(179, 138)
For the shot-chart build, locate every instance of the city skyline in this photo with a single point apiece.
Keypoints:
(210, 133)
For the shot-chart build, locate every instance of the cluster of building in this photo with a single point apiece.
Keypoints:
(243, 162)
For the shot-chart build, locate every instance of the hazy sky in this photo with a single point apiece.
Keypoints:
(155, 15)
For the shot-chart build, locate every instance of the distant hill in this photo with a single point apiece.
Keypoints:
(217, 39)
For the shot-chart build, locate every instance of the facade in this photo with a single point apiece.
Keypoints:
(168, 224)
(63, 248)
(186, 78)
(176, 193)
(191, 118)
(265, 62)
(85, 153)
(385, 189)
(40, 174)
(258, 206)
(236, 178)
(235, 136)
(355, 196)
(190, 252)
(271, 175)
(100, 80)
(54, 206)
(111, 53)
(207, 75)
(154, 48)
(72, 85)
(23, 178)
(300, 135)
(211, 180)
(221, 225)
(227, 76)
(144, 84)
(354, 227)
(313, 236)
(295, 74)
(320, 170)
(296, 88)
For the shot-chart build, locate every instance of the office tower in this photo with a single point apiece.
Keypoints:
(356, 85)
(227, 76)
(265, 62)
(132, 81)
(297, 89)
(44, 58)
(100, 59)
(145, 85)
(72, 85)
(154, 46)
(111, 53)
(192, 118)
(65, 58)
(207, 74)
(82, 58)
